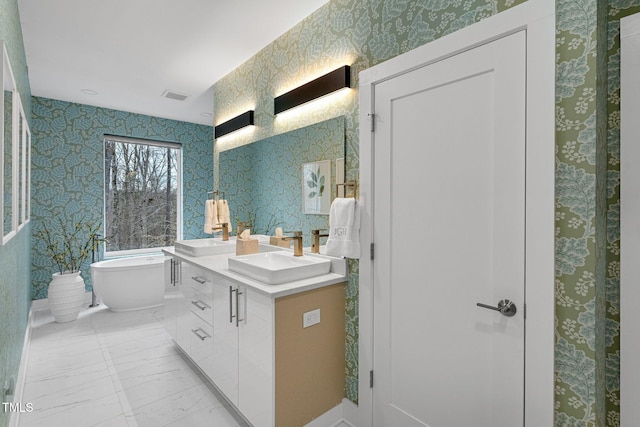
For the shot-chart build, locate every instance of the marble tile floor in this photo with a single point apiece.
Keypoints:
(115, 370)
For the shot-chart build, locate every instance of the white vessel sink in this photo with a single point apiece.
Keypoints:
(201, 247)
(278, 267)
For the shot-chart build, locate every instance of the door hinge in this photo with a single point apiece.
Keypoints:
(372, 118)
(371, 251)
(370, 379)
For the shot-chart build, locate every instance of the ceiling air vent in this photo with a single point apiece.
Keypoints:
(174, 95)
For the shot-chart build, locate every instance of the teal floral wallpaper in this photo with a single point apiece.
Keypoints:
(68, 168)
(588, 211)
(264, 179)
(356, 33)
(15, 256)
(15, 297)
(579, 215)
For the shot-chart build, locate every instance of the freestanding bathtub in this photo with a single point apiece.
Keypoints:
(125, 284)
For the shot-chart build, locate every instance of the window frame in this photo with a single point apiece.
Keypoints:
(179, 192)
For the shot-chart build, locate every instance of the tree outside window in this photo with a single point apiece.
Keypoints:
(142, 194)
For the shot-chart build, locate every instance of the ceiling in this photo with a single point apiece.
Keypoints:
(124, 54)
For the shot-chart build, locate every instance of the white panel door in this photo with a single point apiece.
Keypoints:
(449, 228)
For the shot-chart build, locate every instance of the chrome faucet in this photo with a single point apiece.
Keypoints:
(297, 241)
(315, 240)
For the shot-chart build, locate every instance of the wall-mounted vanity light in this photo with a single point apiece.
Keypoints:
(324, 85)
(232, 125)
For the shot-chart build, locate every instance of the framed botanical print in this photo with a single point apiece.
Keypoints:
(316, 187)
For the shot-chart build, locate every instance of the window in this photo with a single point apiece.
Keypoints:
(142, 195)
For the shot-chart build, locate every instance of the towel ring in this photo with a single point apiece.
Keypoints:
(352, 184)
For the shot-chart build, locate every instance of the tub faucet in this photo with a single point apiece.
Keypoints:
(315, 240)
(297, 242)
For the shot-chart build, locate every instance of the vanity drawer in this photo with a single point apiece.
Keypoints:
(201, 344)
(201, 280)
(202, 306)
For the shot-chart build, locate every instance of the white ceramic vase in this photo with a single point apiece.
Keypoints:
(66, 295)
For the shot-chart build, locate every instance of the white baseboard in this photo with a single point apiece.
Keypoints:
(40, 305)
(43, 304)
(14, 419)
(343, 414)
(350, 413)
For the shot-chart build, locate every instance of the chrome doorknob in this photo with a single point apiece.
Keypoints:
(505, 307)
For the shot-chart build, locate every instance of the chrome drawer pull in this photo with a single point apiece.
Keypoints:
(206, 335)
(231, 315)
(199, 280)
(202, 306)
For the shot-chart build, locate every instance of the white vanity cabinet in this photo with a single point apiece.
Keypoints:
(227, 330)
(253, 345)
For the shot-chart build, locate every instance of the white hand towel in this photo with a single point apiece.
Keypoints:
(224, 215)
(344, 228)
(210, 216)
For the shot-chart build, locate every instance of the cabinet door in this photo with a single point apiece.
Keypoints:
(256, 346)
(225, 339)
(184, 296)
(170, 295)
